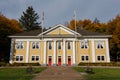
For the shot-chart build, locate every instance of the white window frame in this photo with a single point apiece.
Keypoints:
(59, 45)
(35, 57)
(19, 45)
(84, 44)
(19, 58)
(50, 44)
(35, 45)
(101, 57)
(69, 44)
(99, 44)
(85, 57)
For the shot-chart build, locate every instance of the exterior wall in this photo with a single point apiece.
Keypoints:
(68, 52)
(20, 52)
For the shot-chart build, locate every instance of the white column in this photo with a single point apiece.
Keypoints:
(64, 52)
(44, 53)
(11, 51)
(54, 61)
(27, 52)
(93, 50)
(107, 51)
(74, 52)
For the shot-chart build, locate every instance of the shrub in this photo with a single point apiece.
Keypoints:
(100, 64)
(3, 64)
(25, 64)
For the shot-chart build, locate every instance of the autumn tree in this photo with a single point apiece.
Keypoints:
(7, 27)
(113, 28)
(29, 19)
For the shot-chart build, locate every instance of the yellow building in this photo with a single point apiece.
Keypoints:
(59, 46)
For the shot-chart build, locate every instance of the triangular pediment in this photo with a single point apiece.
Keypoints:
(59, 30)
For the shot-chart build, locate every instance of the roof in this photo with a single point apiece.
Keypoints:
(28, 33)
(79, 33)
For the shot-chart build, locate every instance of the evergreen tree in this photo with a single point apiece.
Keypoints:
(29, 19)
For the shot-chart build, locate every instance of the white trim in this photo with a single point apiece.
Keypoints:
(61, 28)
(107, 51)
(28, 40)
(54, 61)
(100, 58)
(19, 58)
(20, 44)
(74, 52)
(85, 57)
(11, 51)
(35, 44)
(59, 39)
(35, 58)
(100, 43)
(64, 52)
(50, 44)
(97, 36)
(58, 45)
(27, 52)
(44, 52)
(93, 50)
(57, 26)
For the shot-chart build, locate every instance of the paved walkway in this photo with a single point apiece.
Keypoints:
(59, 73)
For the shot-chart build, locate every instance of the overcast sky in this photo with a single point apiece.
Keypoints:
(61, 11)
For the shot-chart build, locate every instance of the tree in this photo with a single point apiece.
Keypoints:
(113, 28)
(29, 19)
(7, 27)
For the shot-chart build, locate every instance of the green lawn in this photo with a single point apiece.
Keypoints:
(102, 73)
(17, 73)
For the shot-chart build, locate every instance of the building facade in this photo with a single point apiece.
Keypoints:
(59, 46)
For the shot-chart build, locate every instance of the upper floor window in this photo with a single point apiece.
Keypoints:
(99, 44)
(69, 45)
(84, 44)
(35, 45)
(84, 58)
(35, 58)
(100, 58)
(59, 45)
(19, 45)
(19, 58)
(50, 45)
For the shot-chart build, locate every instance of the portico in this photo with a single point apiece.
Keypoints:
(60, 54)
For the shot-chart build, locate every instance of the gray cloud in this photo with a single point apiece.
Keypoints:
(59, 11)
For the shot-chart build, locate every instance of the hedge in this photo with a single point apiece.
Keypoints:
(100, 64)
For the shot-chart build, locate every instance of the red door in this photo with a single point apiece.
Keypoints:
(50, 61)
(59, 60)
(69, 60)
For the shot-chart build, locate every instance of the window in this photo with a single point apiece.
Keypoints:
(19, 45)
(100, 44)
(35, 58)
(59, 45)
(19, 58)
(35, 45)
(50, 45)
(69, 45)
(84, 58)
(84, 44)
(100, 58)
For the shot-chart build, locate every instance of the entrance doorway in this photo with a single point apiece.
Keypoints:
(59, 60)
(69, 60)
(50, 61)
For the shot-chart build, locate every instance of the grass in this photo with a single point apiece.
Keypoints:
(17, 73)
(101, 73)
